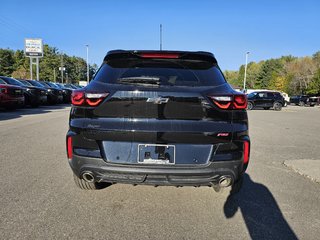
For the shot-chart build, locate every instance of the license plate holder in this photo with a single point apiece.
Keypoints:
(156, 154)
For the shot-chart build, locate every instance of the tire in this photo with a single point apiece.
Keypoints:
(250, 106)
(277, 106)
(83, 184)
(266, 108)
(236, 186)
(301, 104)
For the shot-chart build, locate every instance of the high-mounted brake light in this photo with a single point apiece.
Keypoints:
(230, 102)
(160, 55)
(246, 151)
(69, 147)
(80, 98)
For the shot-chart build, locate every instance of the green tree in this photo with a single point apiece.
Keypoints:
(232, 78)
(7, 62)
(314, 86)
(269, 69)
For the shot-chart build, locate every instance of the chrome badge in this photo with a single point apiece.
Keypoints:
(158, 100)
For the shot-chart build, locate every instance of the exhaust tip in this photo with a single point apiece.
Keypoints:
(225, 181)
(88, 177)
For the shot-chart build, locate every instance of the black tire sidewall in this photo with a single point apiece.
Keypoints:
(277, 106)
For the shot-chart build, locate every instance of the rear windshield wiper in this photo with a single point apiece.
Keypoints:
(140, 80)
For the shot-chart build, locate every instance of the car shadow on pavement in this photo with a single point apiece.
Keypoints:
(260, 212)
(17, 113)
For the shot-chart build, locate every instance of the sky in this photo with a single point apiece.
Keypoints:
(227, 28)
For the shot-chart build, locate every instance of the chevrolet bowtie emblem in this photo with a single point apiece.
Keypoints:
(158, 100)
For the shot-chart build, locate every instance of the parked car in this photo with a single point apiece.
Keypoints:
(286, 98)
(32, 94)
(159, 118)
(265, 100)
(305, 100)
(313, 101)
(11, 96)
(66, 92)
(54, 95)
(300, 100)
(40, 96)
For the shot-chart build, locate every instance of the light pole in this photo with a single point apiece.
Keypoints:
(87, 63)
(245, 72)
(160, 37)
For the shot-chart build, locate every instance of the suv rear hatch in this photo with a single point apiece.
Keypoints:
(160, 107)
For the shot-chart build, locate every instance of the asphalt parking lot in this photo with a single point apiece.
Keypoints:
(40, 201)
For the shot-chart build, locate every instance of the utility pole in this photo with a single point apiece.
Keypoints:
(37, 65)
(61, 67)
(160, 37)
(54, 75)
(31, 62)
(245, 72)
(87, 45)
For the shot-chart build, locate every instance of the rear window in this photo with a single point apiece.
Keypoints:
(160, 72)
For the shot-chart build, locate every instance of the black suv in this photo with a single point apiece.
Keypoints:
(265, 100)
(159, 118)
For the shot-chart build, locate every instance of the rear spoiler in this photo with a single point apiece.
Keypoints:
(155, 54)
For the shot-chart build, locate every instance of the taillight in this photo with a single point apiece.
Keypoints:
(246, 152)
(94, 99)
(77, 97)
(238, 101)
(69, 147)
(160, 55)
(80, 98)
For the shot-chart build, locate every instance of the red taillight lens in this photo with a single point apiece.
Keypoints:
(80, 98)
(94, 99)
(223, 102)
(77, 97)
(69, 147)
(160, 55)
(240, 101)
(246, 152)
(230, 102)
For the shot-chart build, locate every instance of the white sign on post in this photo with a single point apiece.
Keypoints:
(33, 47)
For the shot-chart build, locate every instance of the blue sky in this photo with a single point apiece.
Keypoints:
(228, 28)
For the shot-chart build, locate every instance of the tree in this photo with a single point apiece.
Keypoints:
(269, 69)
(300, 73)
(232, 77)
(314, 86)
(6, 62)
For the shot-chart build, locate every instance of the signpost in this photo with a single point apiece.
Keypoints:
(33, 48)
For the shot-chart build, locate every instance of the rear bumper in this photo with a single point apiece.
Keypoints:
(206, 175)
(11, 101)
